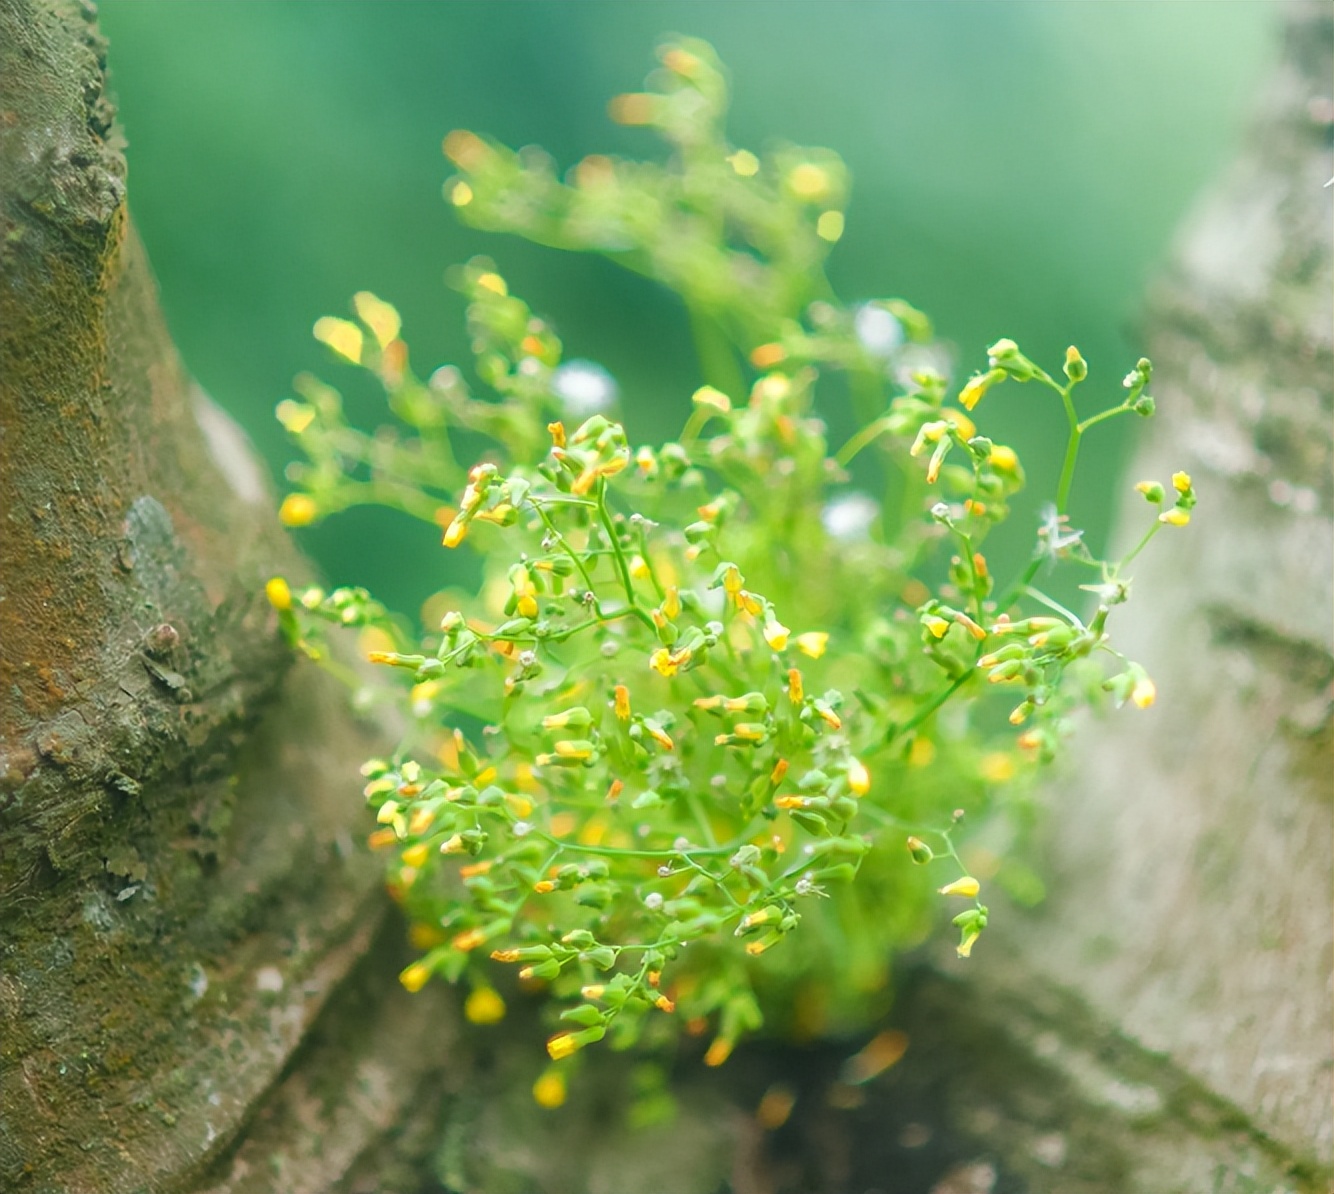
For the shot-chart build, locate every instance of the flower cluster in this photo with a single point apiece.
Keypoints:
(709, 696)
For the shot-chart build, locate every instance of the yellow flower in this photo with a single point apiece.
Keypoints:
(965, 947)
(1144, 693)
(921, 752)
(549, 1090)
(295, 416)
(962, 423)
(719, 1052)
(278, 593)
(1175, 517)
(974, 390)
(484, 1006)
(766, 356)
(748, 602)
(524, 593)
(937, 626)
(713, 398)
(997, 767)
(377, 315)
(809, 182)
(668, 663)
(859, 778)
(968, 887)
(468, 940)
(455, 532)
(745, 163)
(812, 643)
(1181, 482)
(796, 689)
(298, 510)
(415, 976)
(776, 634)
(415, 856)
(829, 226)
(561, 1045)
(342, 336)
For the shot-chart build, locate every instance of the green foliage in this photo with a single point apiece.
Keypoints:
(714, 711)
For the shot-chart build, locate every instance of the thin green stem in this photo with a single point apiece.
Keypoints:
(1109, 413)
(864, 438)
(622, 565)
(717, 360)
(1140, 546)
(569, 551)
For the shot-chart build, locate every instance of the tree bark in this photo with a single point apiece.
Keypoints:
(179, 894)
(1192, 847)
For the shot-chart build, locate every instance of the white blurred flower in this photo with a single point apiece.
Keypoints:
(1055, 536)
(849, 518)
(917, 357)
(879, 332)
(584, 388)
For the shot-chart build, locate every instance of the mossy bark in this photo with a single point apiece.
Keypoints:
(179, 890)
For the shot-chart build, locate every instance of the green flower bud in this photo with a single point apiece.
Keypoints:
(921, 853)
(1076, 368)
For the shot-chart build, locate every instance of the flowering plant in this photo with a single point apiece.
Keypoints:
(709, 700)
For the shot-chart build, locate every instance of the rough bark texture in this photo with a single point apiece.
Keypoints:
(179, 894)
(1193, 853)
(196, 974)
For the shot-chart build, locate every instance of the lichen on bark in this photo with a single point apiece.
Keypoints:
(179, 887)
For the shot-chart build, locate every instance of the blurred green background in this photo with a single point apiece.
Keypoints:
(1019, 168)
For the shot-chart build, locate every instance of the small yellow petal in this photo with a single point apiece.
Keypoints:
(549, 1090)
(342, 336)
(561, 1045)
(279, 594)
(745, 163)
(830, 226)
(812, 643)
(484, 1006)
(383, 320)
(298, 510)
(968, 887)
(809, 182)
(294, 416)
(859, 778)
(415, 976)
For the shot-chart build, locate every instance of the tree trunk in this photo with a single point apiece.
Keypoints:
(196, 969)
(1191, 848)
(179, 894)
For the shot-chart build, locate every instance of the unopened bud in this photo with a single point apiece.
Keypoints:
(920, 851)
(1076, 368)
